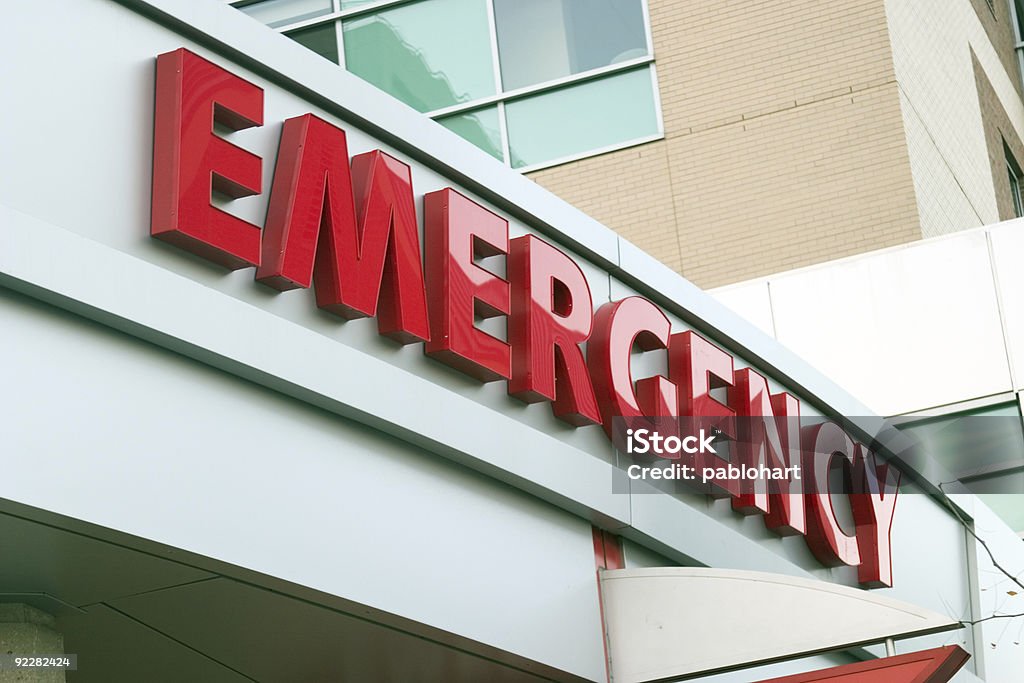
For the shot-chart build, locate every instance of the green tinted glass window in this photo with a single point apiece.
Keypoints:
(321, 39)
(429, 54)
(541, 40)
(975, 442)
(984, 448)
(276, 13)
(469, 63)
(1009, 506)
(481, 127)
(581, 118)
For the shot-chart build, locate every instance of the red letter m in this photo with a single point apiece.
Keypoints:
(352, 233)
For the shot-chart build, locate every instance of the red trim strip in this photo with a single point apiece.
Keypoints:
(928, 666)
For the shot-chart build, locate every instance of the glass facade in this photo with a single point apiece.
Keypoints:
(604, 112)
(1014, 177)
(531, 82)
(984, 449)
(276, 13)
(320, 39)
(541, 40)
(481, 127)
(408, 51)
(1017, 19)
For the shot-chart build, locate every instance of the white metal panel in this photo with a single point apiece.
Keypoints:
(902, 329)
(681, 621)
(750, 300)
(931, 543)
(1002, 638)
(1007, 242)
(106, 428)
(172, 311)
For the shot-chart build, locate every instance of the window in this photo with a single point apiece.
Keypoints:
(603, 112)
(983, 447)
(430, 54)
(1018, 210)
(319, 39)
(1017, 19)
(531, 82)
(541, 40)
(275, 13)
(1014, 173)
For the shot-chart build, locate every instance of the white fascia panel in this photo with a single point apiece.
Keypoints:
(682, 621)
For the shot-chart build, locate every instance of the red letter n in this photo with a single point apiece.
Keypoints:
(768, 434)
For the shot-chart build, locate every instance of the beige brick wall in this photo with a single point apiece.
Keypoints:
(809, 184)
(784, 143)
(935, 46)
(630, 191)
(997, 20)
(999, 135)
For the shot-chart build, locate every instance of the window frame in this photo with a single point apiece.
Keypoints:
(1015, 178)
(1018, 38)
(501, 97)
(963, 409)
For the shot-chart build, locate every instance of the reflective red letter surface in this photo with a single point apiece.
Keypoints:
(353, 234)
(825, 537)
(697, 366)
(768, 434)
(552, 314)
(874, 504)
(189, 160)
(458, 229)
(617, 327)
